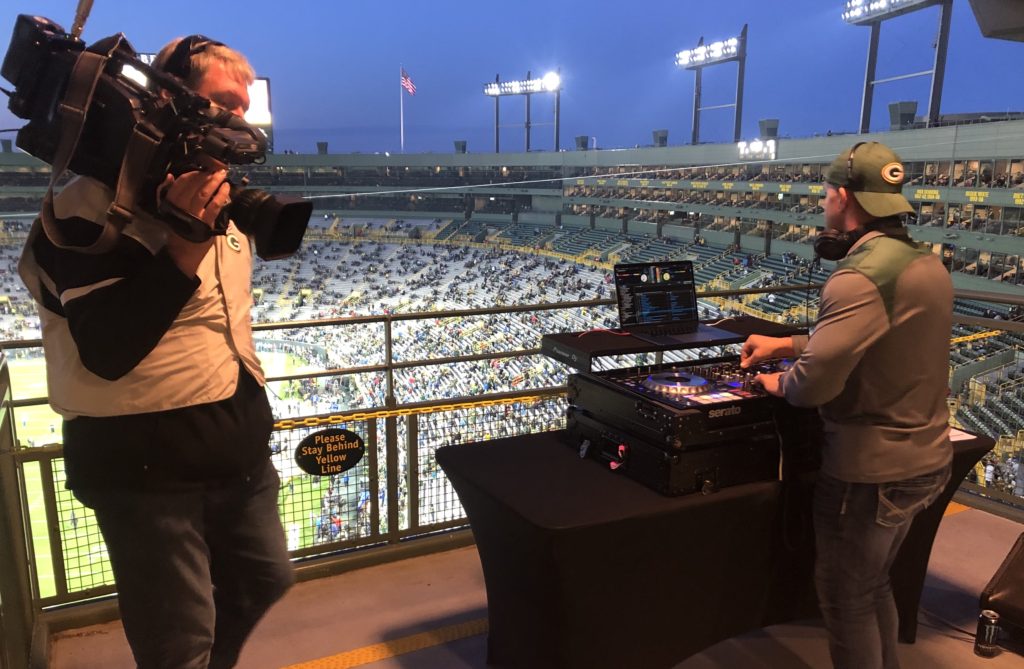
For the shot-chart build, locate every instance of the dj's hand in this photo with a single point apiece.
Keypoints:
(760, 347)
(203, 195)
(770, 383)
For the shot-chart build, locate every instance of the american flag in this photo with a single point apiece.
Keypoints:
(407, 83)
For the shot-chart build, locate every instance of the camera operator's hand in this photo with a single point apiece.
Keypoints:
(203, 195)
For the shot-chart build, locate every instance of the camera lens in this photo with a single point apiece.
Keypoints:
(275, 223)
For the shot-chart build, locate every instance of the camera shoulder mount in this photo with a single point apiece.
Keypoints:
(142, 145)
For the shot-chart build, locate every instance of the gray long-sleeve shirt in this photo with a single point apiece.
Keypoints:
(877, 363)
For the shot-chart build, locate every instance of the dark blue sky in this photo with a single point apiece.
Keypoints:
(334, 66)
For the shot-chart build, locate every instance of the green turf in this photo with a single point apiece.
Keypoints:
(36, 425)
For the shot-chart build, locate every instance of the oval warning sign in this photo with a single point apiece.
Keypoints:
(329, 452)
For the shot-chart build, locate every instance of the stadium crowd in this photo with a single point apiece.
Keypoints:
(338, 279)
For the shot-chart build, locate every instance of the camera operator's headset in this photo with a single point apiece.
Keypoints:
(179, 62)
(142, 145)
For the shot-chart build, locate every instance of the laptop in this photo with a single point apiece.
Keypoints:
(657, 303)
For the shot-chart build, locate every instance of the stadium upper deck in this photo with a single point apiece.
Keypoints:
(966, 182)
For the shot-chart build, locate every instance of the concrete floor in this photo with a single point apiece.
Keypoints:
(430, 613)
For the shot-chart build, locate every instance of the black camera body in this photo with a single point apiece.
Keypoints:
(130, 96)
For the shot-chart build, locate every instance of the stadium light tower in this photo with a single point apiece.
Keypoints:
(703, 55)
(549, 83)
(872, 13)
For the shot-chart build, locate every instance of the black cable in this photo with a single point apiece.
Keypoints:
(786, 478)
(807, 293)
(971, 635)
(954, 637)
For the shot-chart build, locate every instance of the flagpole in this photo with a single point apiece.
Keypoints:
(401, 111)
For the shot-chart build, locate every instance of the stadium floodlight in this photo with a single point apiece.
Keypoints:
(872, 13)
(863, 12)
(715, 53)
(549, 83)
(552, 81)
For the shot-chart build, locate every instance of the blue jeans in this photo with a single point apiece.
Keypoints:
(859, 528)
(195, 570)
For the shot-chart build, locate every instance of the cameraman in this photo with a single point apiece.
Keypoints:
(150, 361)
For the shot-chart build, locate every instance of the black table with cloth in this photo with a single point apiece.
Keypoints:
(584, 568)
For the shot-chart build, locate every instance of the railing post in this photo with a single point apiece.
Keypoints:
(391, 438)
(413, 469)
(17, 611)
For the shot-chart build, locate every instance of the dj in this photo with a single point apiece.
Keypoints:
(876, 365)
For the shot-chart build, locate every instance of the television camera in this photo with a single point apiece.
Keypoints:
(103, 113)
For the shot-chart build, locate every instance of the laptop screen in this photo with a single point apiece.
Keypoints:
(656, 293)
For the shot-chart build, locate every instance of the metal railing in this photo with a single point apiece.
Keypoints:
(17, 609)
(391, 496)
(394, 495)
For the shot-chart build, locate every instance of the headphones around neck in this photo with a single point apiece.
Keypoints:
(834, 245)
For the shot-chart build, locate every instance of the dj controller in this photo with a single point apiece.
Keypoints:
(685, 428)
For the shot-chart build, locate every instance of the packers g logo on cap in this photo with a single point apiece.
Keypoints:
(893, 173)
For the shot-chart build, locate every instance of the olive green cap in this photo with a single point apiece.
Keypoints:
(874, 174)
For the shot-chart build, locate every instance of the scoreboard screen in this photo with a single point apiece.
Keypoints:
(259, 103)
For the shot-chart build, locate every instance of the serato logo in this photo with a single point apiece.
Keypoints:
(728, 411)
